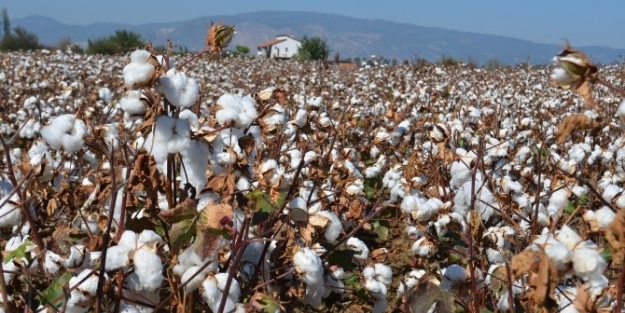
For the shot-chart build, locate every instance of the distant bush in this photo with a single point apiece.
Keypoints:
(448, 61)
(313, 48)
(121, 42)
(494, 64)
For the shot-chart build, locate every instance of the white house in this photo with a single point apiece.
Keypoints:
(283, 47)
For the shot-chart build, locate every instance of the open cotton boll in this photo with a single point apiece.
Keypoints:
(148, 239)
(65, 132)
(560, 255)
(410, 280)
(195, 159)
(334, 228)
(117, 257)
(605, 216)
(149, 268)
(309, 264)
(180, 90)
(10, 213)
(132, 104)
(557, 200)
(139, 71)
(620, 112)
(212, 293)
(359, 247)
(423, 247)
(587, 262)
(568, 237)
(192, 278)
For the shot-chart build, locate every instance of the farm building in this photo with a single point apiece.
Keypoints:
(282, 47)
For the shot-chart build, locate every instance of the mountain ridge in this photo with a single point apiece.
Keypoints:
(348, 36)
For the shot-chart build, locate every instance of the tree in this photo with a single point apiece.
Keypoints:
(121, 42)
(314, 48)
(6, 23)
(243, 50)
(21, 40)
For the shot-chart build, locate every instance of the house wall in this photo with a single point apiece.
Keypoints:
(285, 49)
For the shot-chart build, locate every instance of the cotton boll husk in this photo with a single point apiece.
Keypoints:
(149, 268)
(568, 237)
(334, 228)
(79, 255)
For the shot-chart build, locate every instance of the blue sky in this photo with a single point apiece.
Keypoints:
(547, 21)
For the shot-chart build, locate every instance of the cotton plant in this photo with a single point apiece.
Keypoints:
(142, 250)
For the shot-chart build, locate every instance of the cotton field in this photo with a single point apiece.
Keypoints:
(153, 182)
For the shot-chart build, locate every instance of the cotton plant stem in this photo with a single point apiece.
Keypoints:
(619, 291)
(243, 241)
(107, 235)
(5, 300)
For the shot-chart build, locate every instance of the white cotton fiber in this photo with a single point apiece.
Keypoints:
(138, 71)
(149, 268)
(180, 90)
(132, 104)
(334, 227)
(10, 214)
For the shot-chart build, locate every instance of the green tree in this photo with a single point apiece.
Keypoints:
(21, 40)
(243, 50)
(314, 48)
(6, 23)
(121, 42)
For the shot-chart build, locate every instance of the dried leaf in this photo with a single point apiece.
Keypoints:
(427, 295)
(247, 143)
(223, 184)
(615, 235)
(183, 211)
(213, 216)
(572, 124)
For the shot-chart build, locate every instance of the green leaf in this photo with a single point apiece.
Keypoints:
(570, 208)
(381, 228)
(607, 253)
(54, 293)
(181, 233)
(262, 199)
(20, 252)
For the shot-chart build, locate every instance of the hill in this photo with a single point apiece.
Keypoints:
(350, 37)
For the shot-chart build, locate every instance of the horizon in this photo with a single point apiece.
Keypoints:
(552, 23)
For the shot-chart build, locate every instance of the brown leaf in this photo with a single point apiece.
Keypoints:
(213, 216)
(247, 143)
(223, 184)
(572, 124)
(543, 278)
(585, 90)
(615, 235)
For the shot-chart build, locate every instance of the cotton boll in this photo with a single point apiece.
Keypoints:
(139, 71)
(383, 273)
(10, 213)
(132, 103)
(568, 237)
(51, 262)
(149, 268)
(359, 247)
(334, 228)
(180, 90)
(423, 247)
(116, 257)
(560, 255)
(308, 263)
(195, 159)
(192, 278)
(605, 216)
(148, 239)
(410, 280)
(587, 262)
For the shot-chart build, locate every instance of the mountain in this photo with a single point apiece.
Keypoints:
(350, 37)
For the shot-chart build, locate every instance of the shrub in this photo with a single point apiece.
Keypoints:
(314, 48)
(121, 42)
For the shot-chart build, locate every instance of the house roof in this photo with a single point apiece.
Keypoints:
(270, 43)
